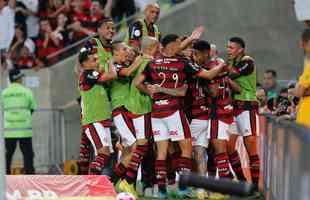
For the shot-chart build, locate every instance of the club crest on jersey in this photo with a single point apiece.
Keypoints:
(137, 33)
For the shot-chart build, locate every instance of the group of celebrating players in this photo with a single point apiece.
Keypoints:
(172, 101)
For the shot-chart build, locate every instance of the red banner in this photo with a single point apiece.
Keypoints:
(37, 186)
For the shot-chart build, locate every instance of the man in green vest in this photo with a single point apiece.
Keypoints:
(144, 27)
(102, 44)
(18, 105)
(243, 72)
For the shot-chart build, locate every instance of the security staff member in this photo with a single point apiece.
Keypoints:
(18, 105)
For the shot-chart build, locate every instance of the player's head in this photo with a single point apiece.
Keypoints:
(106, 29)
(88, 58)
(171, 44)
(16, 76)
(236, 47)
(120, 52)
(213, 51)
(149, 45)
(201, 51)
(305, 41)
(151, 12)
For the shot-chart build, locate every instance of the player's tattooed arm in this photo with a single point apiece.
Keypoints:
(133, 67)
(138, 81)
(179, 92)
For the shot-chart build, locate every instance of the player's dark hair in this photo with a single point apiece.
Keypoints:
(305, 37)
(168, 39)
(238, 41)
(201, 45)
(103, 21)
(272, 72)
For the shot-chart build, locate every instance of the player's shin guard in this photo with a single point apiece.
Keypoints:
(184, 166)
(161, 174)
(254, 168)
(222, 164)
(235, 162)
(134, 163)
(98, 164)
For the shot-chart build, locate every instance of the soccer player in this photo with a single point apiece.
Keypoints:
(243, 72)
(140, 107)
(144, 27)
(166, 77)
(96, 114)
(102, 42)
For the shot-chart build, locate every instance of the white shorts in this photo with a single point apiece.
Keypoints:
(99, 136)
(218, 130)
(174, 127)
(199, 131)
(248, 123)
(142, 126)
(122, 125)
(233, 128)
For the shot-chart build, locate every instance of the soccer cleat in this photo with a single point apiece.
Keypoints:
(148, 192)
(117, 186)
(201, 194)
(218, 196)
(162, 195)
(124, 186)
(185, 194)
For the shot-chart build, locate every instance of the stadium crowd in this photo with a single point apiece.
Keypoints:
(34, 29)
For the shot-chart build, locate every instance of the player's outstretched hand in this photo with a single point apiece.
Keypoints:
(196, 34)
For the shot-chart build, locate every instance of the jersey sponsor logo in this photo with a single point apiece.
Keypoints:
(162, 102)
(173, 133)
(156, 132)
(229, 107)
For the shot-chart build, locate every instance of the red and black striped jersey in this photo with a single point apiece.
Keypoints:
(169, 72)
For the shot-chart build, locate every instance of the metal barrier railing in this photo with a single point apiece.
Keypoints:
(49, 141)
(286, 160)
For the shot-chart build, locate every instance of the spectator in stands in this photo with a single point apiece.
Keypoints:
(57, 7)
(121, 8)
(26, 14)
(80, 19)
(262, 100)
(48, 42)
(27, 60)
(7, 27)
(61, 31)
(19, 104)
(19, 40)
(270, 84)
(96, 15)
(303, 86)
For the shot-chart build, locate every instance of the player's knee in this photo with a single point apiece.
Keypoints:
(199, 153)
(104, 150)
(142, 142)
